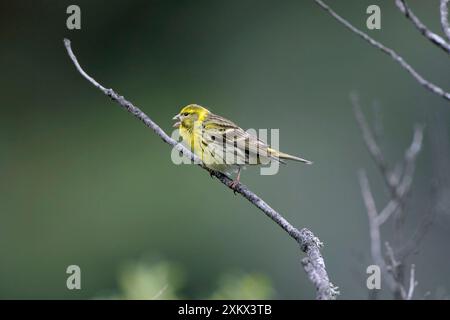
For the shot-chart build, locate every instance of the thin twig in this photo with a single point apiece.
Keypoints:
(372, 146)
(374, 229)
(394, 55)
(390, 254)
(399, 183)
(412, 283)
(393, 268)
(369, 139)
(444, 18)
(427, 33)
(314, 264)
(405, 182)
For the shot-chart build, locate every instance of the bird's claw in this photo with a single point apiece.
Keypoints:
(211, 173)
(233, 185)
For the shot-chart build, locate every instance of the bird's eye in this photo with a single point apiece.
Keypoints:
(185, 114)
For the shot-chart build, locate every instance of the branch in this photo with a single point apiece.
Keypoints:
(412, 283)
(372, 213)
(393, 267)
(427, 33)
(374, 229)
(444, 18)
(390, 52)
(369, 139)
(403, 186)
(398, 183)
(313, 263)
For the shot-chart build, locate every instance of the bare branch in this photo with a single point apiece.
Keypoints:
(371, 209)
(372, 146)
(368, 137)
(314, 264)
(401, 291)
(404, 185)
(393, 268)
(399, 182)
(388, 211)
(390, 52)
(390, 254)
(427, 33)
(444, 18)
(374, 229)
(412, 283)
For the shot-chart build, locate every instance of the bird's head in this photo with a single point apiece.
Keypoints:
(189, 115)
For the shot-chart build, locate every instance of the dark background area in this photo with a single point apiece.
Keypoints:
(82, 182)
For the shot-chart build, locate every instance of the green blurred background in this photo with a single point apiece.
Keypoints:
(82, 182)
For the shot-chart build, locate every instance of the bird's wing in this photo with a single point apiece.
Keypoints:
(229, 142)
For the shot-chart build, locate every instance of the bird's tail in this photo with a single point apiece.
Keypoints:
(286, 156)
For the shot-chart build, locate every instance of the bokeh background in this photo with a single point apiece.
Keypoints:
(82, 182)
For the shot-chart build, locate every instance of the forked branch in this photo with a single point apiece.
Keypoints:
(427, 33)
(399, 183)
(390, 52)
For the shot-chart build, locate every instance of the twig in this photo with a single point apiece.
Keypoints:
(444, 18)
(401, 291)
(394, 55)
(314, 264)
(369, 139)
(393, 268)
(403, 186)
(390, 254)
(399, 183)
(427, 33)
(374, 229)
(412, 283)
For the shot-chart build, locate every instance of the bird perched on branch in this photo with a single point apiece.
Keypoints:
(222, 145)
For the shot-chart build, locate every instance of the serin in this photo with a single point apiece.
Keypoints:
(222, 145)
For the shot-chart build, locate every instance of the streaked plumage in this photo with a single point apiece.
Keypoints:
(221, 144)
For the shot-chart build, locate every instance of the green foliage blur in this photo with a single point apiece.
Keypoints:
(82, 182)
(163, 280)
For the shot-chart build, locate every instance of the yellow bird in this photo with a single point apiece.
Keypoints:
(222, 145)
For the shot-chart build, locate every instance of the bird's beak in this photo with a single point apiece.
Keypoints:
(176, 124)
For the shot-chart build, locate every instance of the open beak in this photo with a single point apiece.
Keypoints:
(176, 124)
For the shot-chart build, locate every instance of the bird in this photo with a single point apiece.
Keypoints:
(222, 145)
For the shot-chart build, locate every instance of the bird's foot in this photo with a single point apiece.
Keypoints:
(211, 173)
(233, 185)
